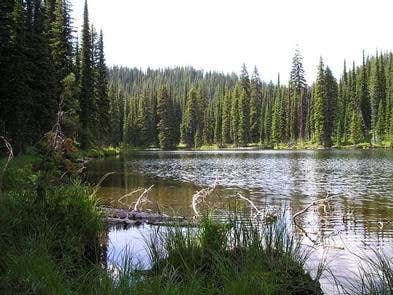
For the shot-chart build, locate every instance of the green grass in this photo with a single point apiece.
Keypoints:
(47, 241)
(373, 277)
(50, 244)
(99, 152)
(238, 257)
(19, 174)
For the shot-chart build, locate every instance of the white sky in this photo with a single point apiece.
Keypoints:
(222, 34)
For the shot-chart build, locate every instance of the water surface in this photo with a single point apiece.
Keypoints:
(359, 181)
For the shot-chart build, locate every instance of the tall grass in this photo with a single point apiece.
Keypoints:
(237, 257)
(46, 242)
(374, 276)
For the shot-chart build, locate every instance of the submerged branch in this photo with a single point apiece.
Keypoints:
(199, 196)
(142, 198)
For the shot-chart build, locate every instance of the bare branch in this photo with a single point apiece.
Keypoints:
(142, 198)
(250, 202)
(129, 195)
(199, 196)
(10, 156)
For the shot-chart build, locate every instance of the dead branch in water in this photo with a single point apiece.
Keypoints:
(314, 203)
(318, 203)
(250, 202)
(142, 198)
(128, 195)
(10, 156)
(199, 196)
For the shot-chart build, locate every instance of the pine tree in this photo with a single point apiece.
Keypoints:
(235, 116)
(6, 71)
(17, 94)
(101, 91)
(226, 118)
(277, 114)
(42, 74)
(298, 99)
(356, 128)
(378, 100)
(332, 96)
(60, 40)
(166, 117)
(70, 106)
(190, 119)
(255, 106)
(364, 98)
(87, 102)
(244, 107)
(218, 123)
(143, 121)
(318, 100)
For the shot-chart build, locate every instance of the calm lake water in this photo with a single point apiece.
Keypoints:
(359, 181)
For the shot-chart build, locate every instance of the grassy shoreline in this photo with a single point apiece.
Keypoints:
(51, 228)
(51, 244)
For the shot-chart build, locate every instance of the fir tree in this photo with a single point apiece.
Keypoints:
(101, 91)
(190, 119)
(244, 107)
(165, 124)
(218, 123)
(235, 116)
(87, 102)
(298, 100)
(356, 128)
(226, 118)
(61, 40)
(255, 105)
(364, 98)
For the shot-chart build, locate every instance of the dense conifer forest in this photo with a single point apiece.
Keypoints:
(206, 108)
(47, 74)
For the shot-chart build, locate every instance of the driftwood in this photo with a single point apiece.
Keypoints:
(199, 196)
(143, 198)
(127, 217)
(317, 203)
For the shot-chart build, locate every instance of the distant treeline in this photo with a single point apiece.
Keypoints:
(48, 76)
(183, 105)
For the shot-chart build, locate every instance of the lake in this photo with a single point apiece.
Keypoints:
(359, 183)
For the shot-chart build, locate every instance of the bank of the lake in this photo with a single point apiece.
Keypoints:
(54, 241)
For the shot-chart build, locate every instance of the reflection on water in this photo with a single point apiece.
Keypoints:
(361, 181)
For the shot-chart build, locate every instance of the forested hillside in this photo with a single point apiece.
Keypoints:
(196, 108)
(47, 75)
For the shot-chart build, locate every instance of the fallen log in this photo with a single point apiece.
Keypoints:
(127, 217)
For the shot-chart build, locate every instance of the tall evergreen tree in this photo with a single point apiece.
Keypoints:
(190, 119)
(226, 118)
(244, 107)
(87, 101)
(325, 97)
(60, 41)
(6, 70)
(101, 91)
(255, 105)
(166, 117)
(298, 98)
(42, 74)
(364, 97)
(18, 95)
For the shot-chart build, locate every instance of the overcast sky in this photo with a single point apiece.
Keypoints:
(222, 34)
